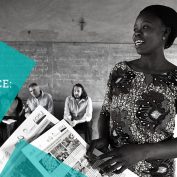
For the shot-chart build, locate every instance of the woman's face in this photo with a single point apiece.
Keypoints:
(148, 34)
(77, 92)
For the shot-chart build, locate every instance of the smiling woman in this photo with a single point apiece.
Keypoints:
(137, 119)
(148, 34)
(152, 29)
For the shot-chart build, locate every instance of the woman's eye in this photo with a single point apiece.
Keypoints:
(145, 27)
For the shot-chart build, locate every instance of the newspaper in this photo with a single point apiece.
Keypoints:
(63, 143)
(36, 124)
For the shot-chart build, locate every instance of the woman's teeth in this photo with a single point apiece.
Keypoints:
(139, 42)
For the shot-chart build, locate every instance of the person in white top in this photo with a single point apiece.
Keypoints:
(78, 111)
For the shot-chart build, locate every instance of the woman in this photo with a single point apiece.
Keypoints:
(140, 103)
(78, 111)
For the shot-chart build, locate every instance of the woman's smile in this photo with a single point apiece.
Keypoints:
(138, 43)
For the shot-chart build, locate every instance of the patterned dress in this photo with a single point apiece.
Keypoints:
(141, 108)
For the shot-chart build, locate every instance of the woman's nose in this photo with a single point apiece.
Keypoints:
(137, 33)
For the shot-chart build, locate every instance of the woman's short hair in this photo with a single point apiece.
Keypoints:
(168, 17)
(84, 93)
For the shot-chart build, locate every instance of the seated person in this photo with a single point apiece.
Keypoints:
(16, 107)
(78, 111)
(13, 118)
(38, 97)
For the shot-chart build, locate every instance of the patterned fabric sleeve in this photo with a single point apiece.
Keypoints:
(175, 93)
(105, 111)
(104, 121)
(172, 77)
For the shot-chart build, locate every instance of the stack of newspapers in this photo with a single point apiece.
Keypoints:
(43, 146)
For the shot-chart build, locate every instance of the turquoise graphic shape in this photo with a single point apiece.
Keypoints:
(15, 68)
(28, 161)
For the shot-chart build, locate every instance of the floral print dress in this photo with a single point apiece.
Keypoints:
(141, 108)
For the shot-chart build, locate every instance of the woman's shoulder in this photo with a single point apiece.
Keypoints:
(121, 66)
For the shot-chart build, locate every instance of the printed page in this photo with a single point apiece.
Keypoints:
(36, 124)
(63, 143)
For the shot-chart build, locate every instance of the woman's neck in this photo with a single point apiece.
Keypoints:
(152, 64)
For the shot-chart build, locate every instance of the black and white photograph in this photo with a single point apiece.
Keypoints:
(105, 75)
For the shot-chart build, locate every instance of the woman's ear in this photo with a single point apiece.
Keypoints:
(167, 32)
